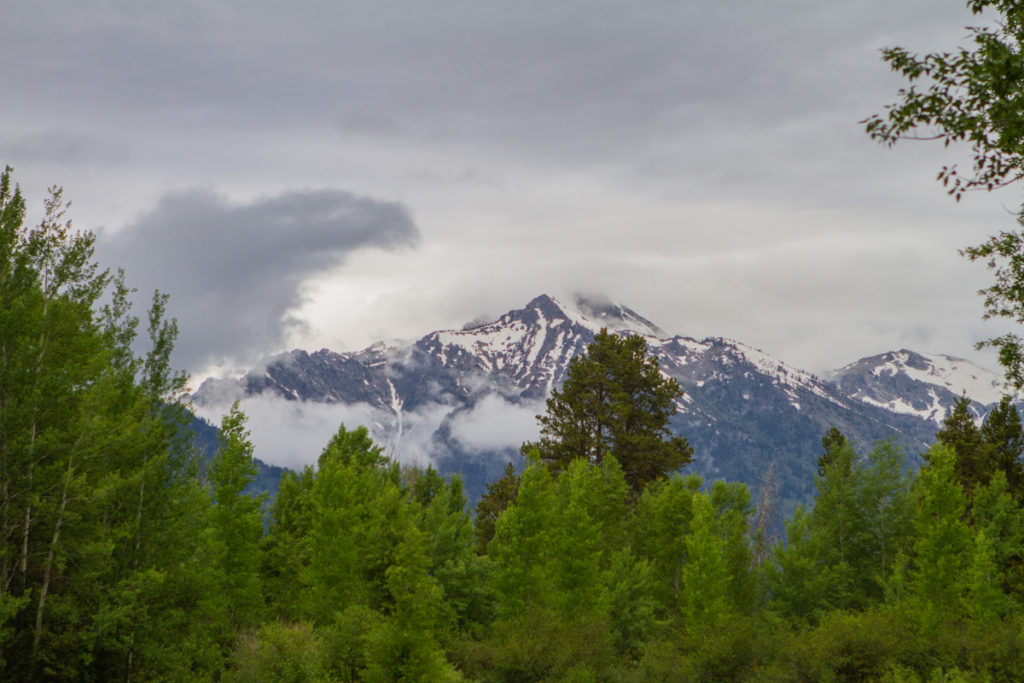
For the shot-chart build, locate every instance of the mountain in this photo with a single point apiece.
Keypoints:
(925, 385)
(465, 399)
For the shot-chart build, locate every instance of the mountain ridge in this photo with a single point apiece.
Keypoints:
(744, 410)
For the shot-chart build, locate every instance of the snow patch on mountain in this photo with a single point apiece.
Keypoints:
(920, 384)
(956, 374)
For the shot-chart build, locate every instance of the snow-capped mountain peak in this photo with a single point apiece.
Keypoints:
(921, 384)
(466, 399)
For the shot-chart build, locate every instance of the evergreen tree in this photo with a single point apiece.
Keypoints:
(614, 401)
(1002, 431)
(833, 441)
(974, 456)
(499, 495)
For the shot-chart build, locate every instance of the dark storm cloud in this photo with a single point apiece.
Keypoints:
(235, 271)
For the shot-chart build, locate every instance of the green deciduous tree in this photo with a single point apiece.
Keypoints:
(286, 551)
(614, 401)
(100, 516)
(236, 522)
(839, 555)
(704, 579)
(974, 96)
(941, 554)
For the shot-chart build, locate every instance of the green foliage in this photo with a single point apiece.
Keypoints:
(840, 554)
(942, 549)
(973, 96)
(1000, 517)
(278, 652)
(969, 95)
(101, 524)
(975, 457)
(358, 518)
(833, 442)
(404, 646)
(286, 553)
(1002, 431)
(704, 578)
(236, 520)
(499, 495)
(849, 646)
(663, 517)
(614, 401)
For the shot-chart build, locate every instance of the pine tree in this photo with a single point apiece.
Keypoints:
(614, 401)
(499, 495)
(833, 441)
(1002, 431)
(975, 457)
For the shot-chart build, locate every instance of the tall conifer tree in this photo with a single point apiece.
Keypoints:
(615, 400)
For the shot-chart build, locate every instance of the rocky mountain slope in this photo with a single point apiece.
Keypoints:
(925, 385)
(459, 397)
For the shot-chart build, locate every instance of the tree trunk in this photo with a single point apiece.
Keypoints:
(50, 555)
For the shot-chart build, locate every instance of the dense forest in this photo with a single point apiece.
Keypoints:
(125, 556)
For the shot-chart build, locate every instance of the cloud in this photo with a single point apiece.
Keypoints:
(293, 433)
(622, 148)
(235, 271)
(494, 424)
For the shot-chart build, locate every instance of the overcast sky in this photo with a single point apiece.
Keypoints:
(327, 174)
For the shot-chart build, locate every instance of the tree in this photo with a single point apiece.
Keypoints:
(499, 495)
(359, 516)
(237, 521)
(1002, 431)
(833, 441)
(974, 462)
(704, 577)
(938, 578)
(100, 514)
(981, 452)
(838, 555)
(974, 96)
(614, 401)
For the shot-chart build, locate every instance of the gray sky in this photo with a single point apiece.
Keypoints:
(327, 174)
